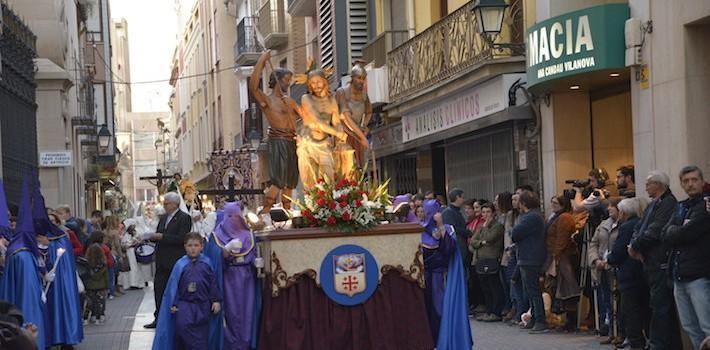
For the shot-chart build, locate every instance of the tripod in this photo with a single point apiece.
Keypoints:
(584, 271)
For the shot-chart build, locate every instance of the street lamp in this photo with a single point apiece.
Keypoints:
(104, 137)
(489, 15)
(254, 138)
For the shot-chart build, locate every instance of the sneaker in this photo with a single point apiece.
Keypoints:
(539, 328)
(85, 322)
(96, 322)
(102, 319)
(481, 317)
(110, 296)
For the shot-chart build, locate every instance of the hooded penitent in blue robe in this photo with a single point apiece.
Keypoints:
(445, 294)
(21, 283)
(63, 306)
(165, 333)
(236, 276)
(411, 215)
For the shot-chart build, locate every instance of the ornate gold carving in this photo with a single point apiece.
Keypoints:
(281, 280)
(415, 272)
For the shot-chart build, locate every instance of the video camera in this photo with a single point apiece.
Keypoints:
(578, 183)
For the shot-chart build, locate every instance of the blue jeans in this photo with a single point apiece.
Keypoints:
(112, 277)
(693, 301)
(517, 293)
(530, 277)
(604, 299)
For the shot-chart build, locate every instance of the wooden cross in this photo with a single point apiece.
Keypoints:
(159, 176)
(231, 192)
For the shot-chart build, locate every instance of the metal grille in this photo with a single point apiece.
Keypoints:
(18, 120)
(358, 27)
(325, 37)
(403, 172)
(482, 166)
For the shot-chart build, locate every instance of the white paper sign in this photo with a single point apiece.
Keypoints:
(54, 159)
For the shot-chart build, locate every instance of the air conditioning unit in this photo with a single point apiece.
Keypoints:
(633, 34)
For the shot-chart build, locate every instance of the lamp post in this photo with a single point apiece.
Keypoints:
(104, 137)
(489, 17)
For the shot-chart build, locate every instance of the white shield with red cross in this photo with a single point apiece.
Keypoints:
(349, 274)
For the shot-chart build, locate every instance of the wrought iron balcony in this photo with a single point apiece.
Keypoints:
(272, 24)
(302, 8)
(92, 141)
(376, 50)
(247, 49)
(449, 47)
(83, 121)
(86, 130)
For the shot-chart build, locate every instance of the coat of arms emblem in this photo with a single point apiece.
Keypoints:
(349, 274)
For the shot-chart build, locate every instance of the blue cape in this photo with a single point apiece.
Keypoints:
(455, 329)
(21, 286)
(214, 252)
(165, 332)
(63, 303)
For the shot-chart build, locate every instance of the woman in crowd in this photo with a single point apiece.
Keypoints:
(630, 276)
(504, 209)
(419, 212)
(113, 241)
(600, 245)
(562, 260)
(487, 248)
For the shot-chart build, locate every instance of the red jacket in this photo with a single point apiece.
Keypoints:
(77, 248)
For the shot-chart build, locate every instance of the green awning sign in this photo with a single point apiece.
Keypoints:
(578, 42)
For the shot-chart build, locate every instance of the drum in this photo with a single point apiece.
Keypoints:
(145, 253)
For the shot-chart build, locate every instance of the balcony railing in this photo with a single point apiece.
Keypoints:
(443, 50)
(377, 49)
(302, 8)
(272, 23)
(247, 48)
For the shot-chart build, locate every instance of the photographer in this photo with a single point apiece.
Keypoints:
(589, 196)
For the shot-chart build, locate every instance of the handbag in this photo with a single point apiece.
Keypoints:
(124, 265)
(487, 266)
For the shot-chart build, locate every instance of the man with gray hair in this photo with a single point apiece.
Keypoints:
(169, 238)
(688, 235)
(647, 246)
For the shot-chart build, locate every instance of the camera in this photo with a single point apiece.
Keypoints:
(598, 193)
(580, 183)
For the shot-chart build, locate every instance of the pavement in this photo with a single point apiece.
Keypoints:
(123, 329)
(126, 315)
(499, 336)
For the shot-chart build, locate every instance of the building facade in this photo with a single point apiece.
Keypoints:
(74, 102)
(452, 112)
(608, 98)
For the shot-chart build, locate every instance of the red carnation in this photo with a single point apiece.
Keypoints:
(331, 220)
(344, 197)
(358, 203)
(306, 213)
(353, 183)
(321, 194)
(332, 205)
(321, 202)
(343, 204)
(346, 216)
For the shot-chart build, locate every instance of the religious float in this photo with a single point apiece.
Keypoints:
(345, 281)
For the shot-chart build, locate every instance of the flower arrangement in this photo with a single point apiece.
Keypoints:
(344, 205)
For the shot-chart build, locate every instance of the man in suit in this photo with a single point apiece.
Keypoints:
(170, 236)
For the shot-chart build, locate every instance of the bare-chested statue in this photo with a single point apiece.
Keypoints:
(282, 112)
(355, 105)
(321, 119)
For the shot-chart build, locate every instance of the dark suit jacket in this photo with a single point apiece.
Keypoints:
(172, 247)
